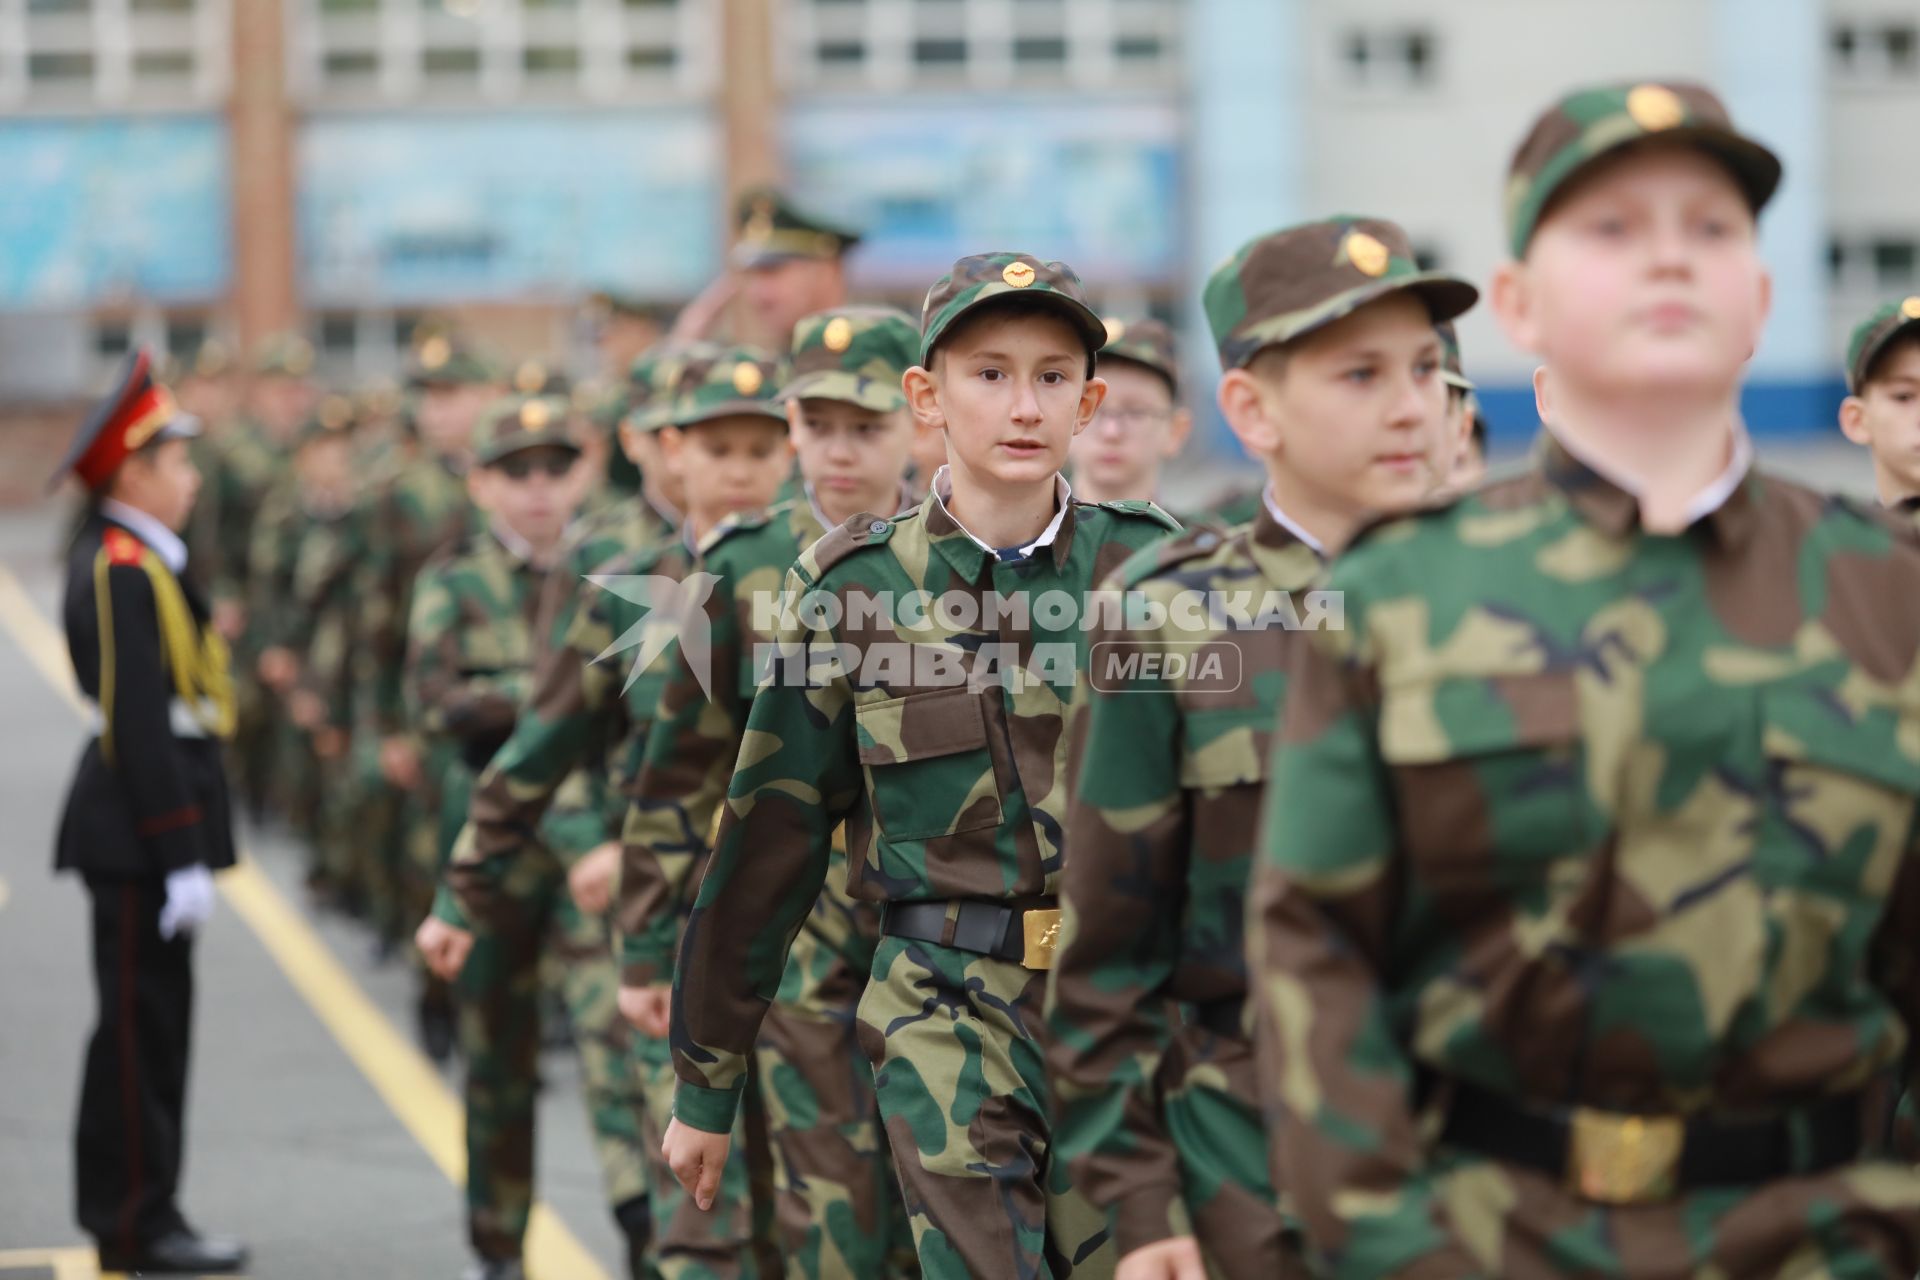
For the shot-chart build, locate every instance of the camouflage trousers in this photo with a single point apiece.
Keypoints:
(499, 1032)
(1209, 1101)
(955, 1040)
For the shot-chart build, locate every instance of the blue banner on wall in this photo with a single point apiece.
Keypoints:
(100, 210)
(1094, 183)
(437, 208)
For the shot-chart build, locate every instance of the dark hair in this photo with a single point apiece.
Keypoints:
(1877, 367)
(1010, 306)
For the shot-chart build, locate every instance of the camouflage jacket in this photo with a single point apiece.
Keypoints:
(624, 525)
(689, 756)
(1168, 767)
(240, 465)
(420, 508)
(278, 615)
(470, 654)
(323, 575)
(578, 707)
(941, 747)
(1587, 816)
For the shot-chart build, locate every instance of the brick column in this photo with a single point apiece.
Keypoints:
(260, 126)
(749, 96)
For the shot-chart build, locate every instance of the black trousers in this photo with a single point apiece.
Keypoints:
(131, 1131)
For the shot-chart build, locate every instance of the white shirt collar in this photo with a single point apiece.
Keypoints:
(1286, 522)
(1711, 497)
(1063, 498)
(165, 542)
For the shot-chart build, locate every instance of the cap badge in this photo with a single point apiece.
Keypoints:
(1368, 256)
(530, 378)
(435, 352)
(1116, 329)
(1018, 274)
(747, 378)
(1655, 108)
(1911, 308)
(535, 415)
(839, 334)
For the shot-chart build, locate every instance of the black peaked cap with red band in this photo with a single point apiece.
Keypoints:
(137, 411)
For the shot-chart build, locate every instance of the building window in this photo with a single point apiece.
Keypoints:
(891, 45)
(113, 55)
(1388, 58)
(1874, 262)
(499, 51)
(1865, 51)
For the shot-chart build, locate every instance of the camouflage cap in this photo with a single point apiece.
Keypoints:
(1452, 372)
(773, 230)
(444, 360)
(985, 276)
(284, 355)
(211, 359)
(724, 383)
(1589, 124)
(853, 354)
(335, 418)
(1285, 285)
(653, 378)
(1871, 336)
(516, 423)
(1148, 343)
(538, 378)
(604, 304)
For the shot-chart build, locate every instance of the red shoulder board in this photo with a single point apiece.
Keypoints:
(122, 547)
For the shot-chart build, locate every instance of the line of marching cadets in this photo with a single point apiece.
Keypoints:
(1554, 910)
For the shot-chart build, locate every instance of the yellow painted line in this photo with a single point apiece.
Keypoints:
(403, 1077)
(67, 1264)
(3, 892)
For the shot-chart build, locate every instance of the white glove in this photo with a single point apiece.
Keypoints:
(189, 900)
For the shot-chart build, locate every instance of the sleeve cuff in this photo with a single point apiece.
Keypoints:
(447, 909)
(708, 1110)
(1148, 1216)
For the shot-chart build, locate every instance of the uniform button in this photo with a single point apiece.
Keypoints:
(878, 526)
(1205, 541)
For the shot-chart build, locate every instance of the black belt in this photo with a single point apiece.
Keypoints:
(1223, 1017)
(983, 926)
(1615, 1158)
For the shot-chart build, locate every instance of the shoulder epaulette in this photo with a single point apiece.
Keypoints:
(122, 547)
(843, 540)
(1143, 508)
(1188, 545)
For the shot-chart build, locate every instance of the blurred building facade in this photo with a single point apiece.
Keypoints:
(185, 167)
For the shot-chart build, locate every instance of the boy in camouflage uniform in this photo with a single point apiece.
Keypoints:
(471, 643)
(1583, 926)
(837, 1208)
(1334, 381)
(1141, 423)
(1882, 408)
(583, 702)
(937, 736)
(409, 514)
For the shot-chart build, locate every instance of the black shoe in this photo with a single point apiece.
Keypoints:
(495, 1269)
(435, 1013)
(179, 1252)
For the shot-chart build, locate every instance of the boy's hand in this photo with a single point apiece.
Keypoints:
(1175, 1259)
(591, 879)
(648, 1008)
(444, 947)
(696, 1158)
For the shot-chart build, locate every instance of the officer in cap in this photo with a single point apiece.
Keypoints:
(146, 818)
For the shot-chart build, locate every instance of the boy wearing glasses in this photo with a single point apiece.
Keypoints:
(1141, 423)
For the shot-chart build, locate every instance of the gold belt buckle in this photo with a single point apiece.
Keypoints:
(1615, 1158)
(1042, 938)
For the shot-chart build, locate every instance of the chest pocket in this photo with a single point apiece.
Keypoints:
(1489, 776)
(1843, 791)
(927, 765)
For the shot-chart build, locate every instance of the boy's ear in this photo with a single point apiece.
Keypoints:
(1853, 421)
(1766, 309)
(923, 397)
(1178, 430)
(1243, 402)
(1092, 396)
(1511, 297)
(478, 489)
(795, 419)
